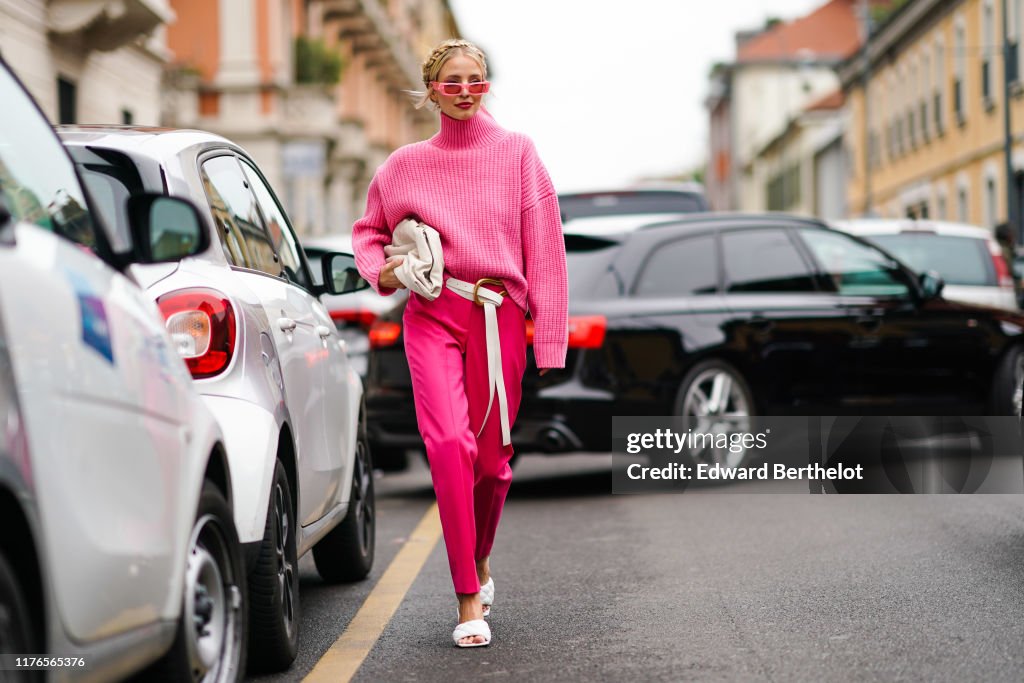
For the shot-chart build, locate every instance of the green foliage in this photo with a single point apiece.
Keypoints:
(315, 62)
(880, 13)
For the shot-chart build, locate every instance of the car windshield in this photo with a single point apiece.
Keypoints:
(622, 203)
(959, 260)
(111, 179)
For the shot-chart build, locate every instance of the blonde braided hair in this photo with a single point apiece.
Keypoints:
(432, 65)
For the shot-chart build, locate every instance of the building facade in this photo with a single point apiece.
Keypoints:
(778, 72)
(314, 90)
(89, 61)
(928, 140)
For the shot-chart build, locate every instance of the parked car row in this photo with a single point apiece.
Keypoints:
(723, 317)
(182, 422)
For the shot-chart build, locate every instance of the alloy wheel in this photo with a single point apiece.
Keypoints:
(285, 566)
(714, 403)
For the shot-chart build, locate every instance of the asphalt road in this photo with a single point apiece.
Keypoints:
(706, 586)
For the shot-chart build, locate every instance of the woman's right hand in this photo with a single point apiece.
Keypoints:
(387, 277)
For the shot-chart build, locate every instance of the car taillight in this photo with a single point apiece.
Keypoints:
(384, 333)
(364, 319)
(201, 323)
(1003, 276)
(585, 331)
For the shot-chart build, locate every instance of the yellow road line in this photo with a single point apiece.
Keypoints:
(343, 659)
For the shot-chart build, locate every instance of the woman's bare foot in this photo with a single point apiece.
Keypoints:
(470, 609)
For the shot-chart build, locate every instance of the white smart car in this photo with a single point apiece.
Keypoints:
(247, 317)
(967, 257)
(118, 548)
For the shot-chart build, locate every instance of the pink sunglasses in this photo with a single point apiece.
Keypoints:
(453, 89)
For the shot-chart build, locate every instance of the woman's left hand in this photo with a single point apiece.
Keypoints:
(544, 371)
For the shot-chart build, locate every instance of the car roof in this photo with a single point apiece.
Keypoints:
(150, 141)
(894, 226)
(334, 242)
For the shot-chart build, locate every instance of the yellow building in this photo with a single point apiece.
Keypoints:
(928, 139)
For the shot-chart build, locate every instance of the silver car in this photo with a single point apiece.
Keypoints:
(265, 354)
(118, 548)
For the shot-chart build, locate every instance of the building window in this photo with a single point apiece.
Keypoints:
(959, 76)
(784, 189)
(940, 81)
(961, 204)
(941, 211)
(67, 101)
(1013, 10)
(991, 199)
(926, 88)
(127, 117)
(987, 50)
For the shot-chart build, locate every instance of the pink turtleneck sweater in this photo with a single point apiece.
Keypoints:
(486, 192)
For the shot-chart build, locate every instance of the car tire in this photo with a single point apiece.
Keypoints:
(1008, 384)
(390, 459)
(737, 415)
(274, 584)
(215, 592)
(17, 633)
(346, 553)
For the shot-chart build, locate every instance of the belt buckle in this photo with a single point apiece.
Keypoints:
(485, 281)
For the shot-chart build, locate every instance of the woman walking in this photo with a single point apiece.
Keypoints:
(486, 192)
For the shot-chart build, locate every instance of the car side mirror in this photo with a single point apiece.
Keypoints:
(931, 284)
(165, 229)
(341, 275)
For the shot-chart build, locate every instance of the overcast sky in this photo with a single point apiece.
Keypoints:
(609, 91)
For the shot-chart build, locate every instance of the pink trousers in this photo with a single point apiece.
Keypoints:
(445, 345)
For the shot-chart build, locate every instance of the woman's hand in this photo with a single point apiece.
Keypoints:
(387, 277)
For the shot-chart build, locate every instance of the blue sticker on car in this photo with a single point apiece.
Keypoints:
(95, 324)
(95, 328)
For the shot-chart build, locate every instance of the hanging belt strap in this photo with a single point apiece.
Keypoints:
(490, 300)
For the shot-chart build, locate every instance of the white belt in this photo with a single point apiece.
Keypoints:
(490, 300)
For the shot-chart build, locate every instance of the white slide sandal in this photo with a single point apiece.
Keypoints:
(487, 596)
(467, 629)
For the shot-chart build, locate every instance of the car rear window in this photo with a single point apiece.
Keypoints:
(622, 203)
(959, 260)
(588, 261)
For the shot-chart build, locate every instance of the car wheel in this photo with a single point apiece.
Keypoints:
(1008, 384)
(714, 398)
(210, 643)
(274, 584)
(390, 459)
(16, 629)
(346, 552)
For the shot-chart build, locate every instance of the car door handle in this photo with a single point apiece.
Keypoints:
(323, 331)
(286, 324)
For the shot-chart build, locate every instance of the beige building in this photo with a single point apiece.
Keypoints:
(265, 74)
(89, 61)
(928, 139)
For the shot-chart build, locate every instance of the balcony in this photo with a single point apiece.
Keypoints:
(105, 25)
(309, 110)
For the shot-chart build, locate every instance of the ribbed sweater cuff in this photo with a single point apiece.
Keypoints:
(373, 277)
(549, 354)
